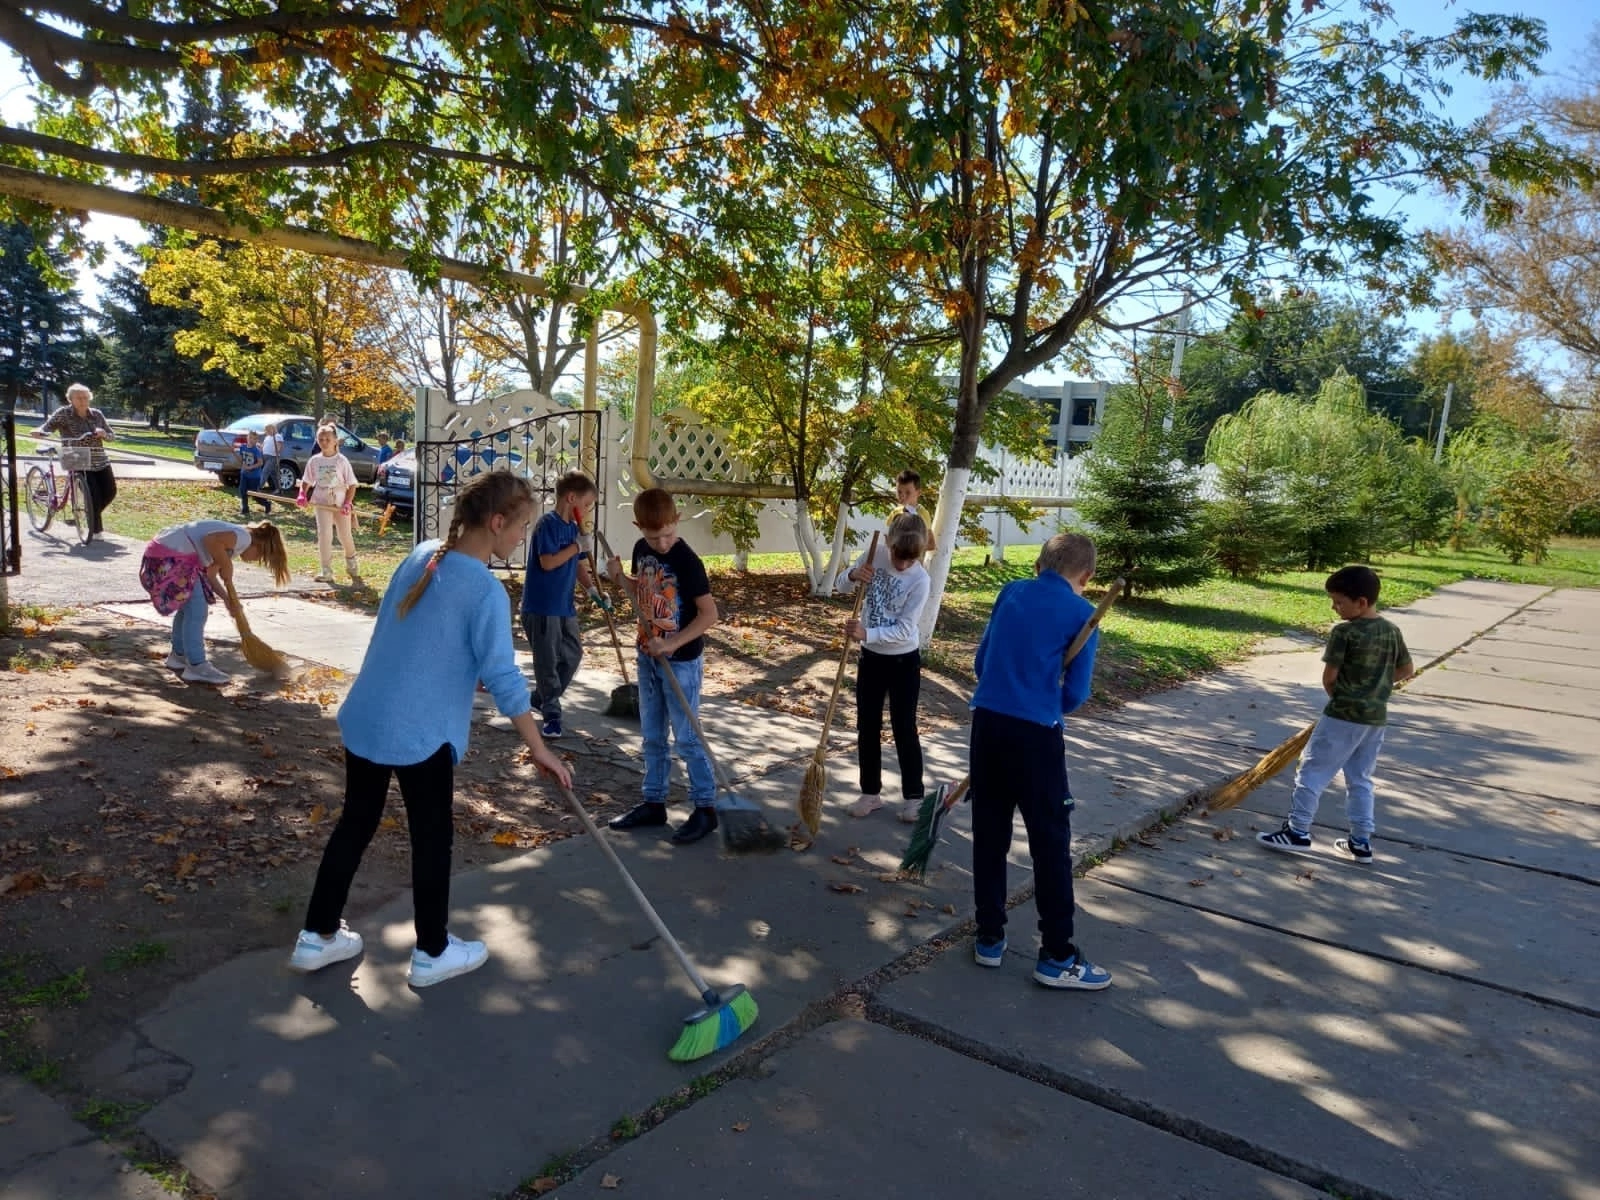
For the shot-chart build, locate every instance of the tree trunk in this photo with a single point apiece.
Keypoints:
(805, 535)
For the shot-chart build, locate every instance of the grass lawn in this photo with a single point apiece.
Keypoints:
(132, 439)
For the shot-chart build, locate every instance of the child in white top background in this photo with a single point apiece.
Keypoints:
(332, 481)
(891, 661)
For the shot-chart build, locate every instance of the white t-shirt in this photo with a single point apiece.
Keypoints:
(269, 445)
(328, 476)
(189, 538)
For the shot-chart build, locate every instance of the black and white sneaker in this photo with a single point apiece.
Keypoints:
(1286, 839)
(1359, 849)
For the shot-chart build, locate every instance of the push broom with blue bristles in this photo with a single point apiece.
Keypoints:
(727, 1014)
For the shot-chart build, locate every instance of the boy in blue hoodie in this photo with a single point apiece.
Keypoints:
(1018, 755)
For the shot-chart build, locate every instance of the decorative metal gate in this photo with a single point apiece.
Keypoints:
(540, 449)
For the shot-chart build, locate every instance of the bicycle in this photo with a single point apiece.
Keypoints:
(46, 494)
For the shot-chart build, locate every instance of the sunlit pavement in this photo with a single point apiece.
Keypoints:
(1279, 1026)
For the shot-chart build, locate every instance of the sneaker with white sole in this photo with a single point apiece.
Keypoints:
(204, 672)
(1286, 839)
(457, 958)
(1358, 848)
(865, 805)
(989, 954)
(175, 662)
(1073, 972)
(312, 951)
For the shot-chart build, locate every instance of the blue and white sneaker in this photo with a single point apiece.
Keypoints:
(312, 951)
(1074, 972)
(551, 729)
(989, 954)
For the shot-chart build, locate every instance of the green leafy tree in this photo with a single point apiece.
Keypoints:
(1140, 499)
(42, 338)
(1527, 509)
(1248, 526)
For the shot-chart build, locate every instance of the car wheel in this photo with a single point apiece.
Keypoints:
(288, 477)
(231, 482)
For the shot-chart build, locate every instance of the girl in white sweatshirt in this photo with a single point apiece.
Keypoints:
(891, 661)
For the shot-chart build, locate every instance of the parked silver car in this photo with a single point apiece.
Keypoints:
(218, 449)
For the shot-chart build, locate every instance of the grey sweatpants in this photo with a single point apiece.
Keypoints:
(557, 650)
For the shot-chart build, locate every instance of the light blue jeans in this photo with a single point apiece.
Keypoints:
(1336, 746)
(189, 627)
(659, 707)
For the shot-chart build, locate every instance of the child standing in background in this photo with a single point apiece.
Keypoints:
(443, 626)
(270, 450)
(251, 463)
(1018, 755)
(184, 567)
(1365, 658)
(907, 491)
(332, 481)
(672, 595)
(891, 661)
(559, 555)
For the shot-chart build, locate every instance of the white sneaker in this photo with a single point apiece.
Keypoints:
(324, 577)
(865, 806)
(312, 951)
(204, 672)
(457, 958)
(175, 662)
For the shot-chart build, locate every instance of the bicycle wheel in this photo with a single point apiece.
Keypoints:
(80, 508)
(38, 490)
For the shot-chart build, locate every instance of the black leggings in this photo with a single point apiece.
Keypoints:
(428, 788)
(102, 485)
(899, 677)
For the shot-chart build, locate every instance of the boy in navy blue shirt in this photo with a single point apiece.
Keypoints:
(558, 556)
(1018, 755)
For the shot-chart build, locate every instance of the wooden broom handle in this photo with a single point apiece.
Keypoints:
(1093, 622)
(844, 659)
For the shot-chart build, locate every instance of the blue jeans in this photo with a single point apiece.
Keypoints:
(1336, 746)
(189, 627)
(658, 706)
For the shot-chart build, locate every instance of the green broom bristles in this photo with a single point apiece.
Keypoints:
(719, 1024)
(930, 820)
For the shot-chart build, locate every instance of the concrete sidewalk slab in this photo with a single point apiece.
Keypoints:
(935, 1124)
(1427, 908)
(1515, 691)
(1454, 615)
(1499, 645)
(1519, 748)
(1556, 668)
(1419, 812)
(1400, 1080)
(46, 1155)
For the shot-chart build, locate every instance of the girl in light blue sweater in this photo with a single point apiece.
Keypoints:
(444, 624)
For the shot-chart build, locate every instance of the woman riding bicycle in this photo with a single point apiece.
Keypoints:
(79, 424)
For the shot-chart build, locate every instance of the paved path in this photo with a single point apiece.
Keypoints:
(1279, 1026)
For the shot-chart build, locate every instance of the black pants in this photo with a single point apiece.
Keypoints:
(102, 485)
(428, 788)
(899, 677)
(1018, 764)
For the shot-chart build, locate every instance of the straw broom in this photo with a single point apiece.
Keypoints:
(815, 785)
(256, 652)
(936, 805)
(624, 699)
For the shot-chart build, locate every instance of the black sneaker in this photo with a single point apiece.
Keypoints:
(641, 816)
(1286, 839)
(1360, 849)
(700, 822)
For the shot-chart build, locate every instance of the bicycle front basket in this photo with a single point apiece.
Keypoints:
(75, 458)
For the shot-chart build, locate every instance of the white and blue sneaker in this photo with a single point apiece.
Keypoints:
(457, 958)
(1074, 972)
(312, 951)
(1286, 839)
(989, 954)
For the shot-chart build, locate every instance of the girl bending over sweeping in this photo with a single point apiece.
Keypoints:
(444, 624)
(183, 569)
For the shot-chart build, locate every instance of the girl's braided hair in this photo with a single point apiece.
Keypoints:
(494, 493)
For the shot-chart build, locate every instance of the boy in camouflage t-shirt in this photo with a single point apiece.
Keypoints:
(1365, 658)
